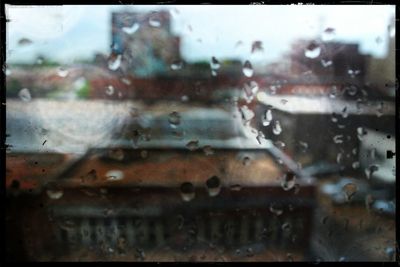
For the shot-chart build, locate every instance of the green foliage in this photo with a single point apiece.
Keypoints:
(13, 86)
(201, 65)
(47, 63)
(84, 91)
(231, 62)
(53, 94)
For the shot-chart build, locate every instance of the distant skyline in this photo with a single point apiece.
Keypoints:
(69, 33)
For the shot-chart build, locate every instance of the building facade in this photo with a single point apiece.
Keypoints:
(145, 41)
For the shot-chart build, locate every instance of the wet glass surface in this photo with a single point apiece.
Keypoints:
(166, 133)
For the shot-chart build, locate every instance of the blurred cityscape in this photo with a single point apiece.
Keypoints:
(144, 52)
(145, 63)
(325, 104)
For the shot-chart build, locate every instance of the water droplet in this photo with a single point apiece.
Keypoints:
(184, 98)
(176, 65)
(108, 212)
(312, 51)
(273, 89)
(24, 95)
(334, 118)
(250, 90)
(279, 144)
(275, 210)
(249, 252)
(208, 151)
(338, 139)
(126, 81)
(62, 72)
(213, 186)
(324, 220)
(135, 139)
(256, 46)
(115, 63)
(260, 137)
(286, 227)
(326, 63)
(288, 181)
(355, 165)
(267, 118)
(328, 34)
(361, 132)
(109, 90)
(235, 187)
(248, 69)
(370, 170)
(39, 60)
(132, 29)
(67, 224)
(246, 161)
(359, 106)
(174, 119)
(214, 64)
(187, 191)
(6, 70)
(247, 114)
(390, 252)
(154, 22)
(349, 190)
(345, 113)
(353, 73)
(277, 129)
(24, 41)
(193, 145)
(334, 92)
(379, 110)
(339, 158)
(303, 146)
(146, 134)
(351, 90)
(54, 193)
(114, 175)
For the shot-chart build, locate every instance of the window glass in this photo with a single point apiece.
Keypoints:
(200, 133)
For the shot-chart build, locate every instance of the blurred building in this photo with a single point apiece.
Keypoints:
(145, 41)
(381, 71)
(336, 65)
(332, 62)
(356, 84)
(324, 129)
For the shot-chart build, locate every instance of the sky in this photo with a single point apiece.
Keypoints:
(69, 33)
